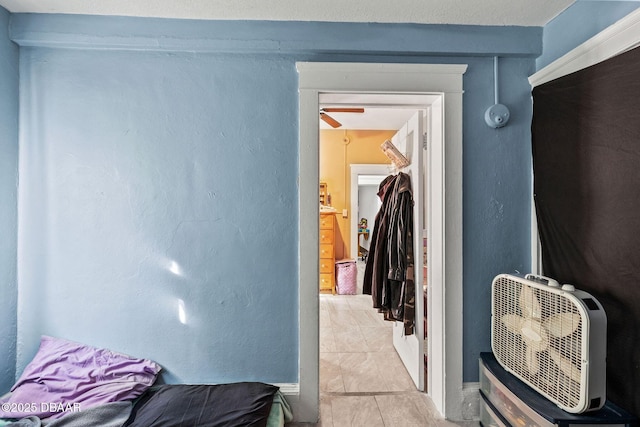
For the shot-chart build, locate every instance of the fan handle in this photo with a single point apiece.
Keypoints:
(543, 280)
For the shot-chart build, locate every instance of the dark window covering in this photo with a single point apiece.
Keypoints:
(586, 162)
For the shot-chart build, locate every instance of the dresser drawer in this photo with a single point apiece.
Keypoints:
(326, 250)
(327, 265)
(326, 236)
(326, 282)
(513, 410)
(489, 417)
(511, 401)
(326, 222)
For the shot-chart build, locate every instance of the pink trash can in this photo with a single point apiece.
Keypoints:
(346, 277)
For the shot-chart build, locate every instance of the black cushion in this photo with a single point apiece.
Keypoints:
(183, 405)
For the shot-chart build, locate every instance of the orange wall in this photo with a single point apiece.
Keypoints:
(339, 149)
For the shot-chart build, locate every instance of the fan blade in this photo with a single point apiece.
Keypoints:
(529, 303)
(566, 366)
(534, 335)
(512, 322)
(330, 120)
(343, 110)
(562, 324)
(532, 361)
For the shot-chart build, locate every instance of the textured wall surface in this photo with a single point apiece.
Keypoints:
(8, 201)
(578, 23)
(158, 182)
(158, 210)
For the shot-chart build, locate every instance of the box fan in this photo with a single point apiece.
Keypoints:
(552, 337)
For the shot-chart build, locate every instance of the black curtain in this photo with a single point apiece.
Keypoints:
(586, 162)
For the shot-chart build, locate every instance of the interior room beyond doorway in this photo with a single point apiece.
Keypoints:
(350, 327)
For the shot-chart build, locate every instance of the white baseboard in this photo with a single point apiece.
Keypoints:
(288, 388)
(470, 398)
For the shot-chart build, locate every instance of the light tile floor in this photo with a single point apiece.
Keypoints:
(362, 380)
(363, 383)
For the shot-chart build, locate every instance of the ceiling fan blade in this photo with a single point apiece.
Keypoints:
(330, 120)
(342, 110)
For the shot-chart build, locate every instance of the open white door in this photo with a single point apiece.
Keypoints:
(410, 348)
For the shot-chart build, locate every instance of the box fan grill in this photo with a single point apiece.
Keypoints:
(552, 337)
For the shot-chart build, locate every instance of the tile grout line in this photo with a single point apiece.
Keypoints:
(369, 393)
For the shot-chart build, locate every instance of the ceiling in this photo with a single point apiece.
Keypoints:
(377, 114)
(464, 12)
(373, 118)
(381, 111)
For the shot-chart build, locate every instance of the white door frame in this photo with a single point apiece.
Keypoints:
(446, 337)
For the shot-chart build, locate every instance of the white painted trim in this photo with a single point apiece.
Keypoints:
(436, 242)
(288, 388)
(316, 78)
(305, 406)
(613, 40)
(536, 248)
(360, 75)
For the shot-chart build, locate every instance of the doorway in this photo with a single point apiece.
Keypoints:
(445, 261)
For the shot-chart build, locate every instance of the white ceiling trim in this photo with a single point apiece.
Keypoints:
(614, 40)
(460, 12)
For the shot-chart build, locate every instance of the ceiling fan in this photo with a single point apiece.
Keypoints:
(333, 122)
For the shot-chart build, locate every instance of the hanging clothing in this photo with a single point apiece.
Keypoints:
(389, 272)
(376, 260)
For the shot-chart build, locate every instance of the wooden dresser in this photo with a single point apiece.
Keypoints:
(327, 252)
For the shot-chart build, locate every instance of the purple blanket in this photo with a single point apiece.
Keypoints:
(66, 377)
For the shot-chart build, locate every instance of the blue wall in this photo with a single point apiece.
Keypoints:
(158, 178)
(9, 202)
(497, 191)
(160, 165)
(159, 197)
(578, 23)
